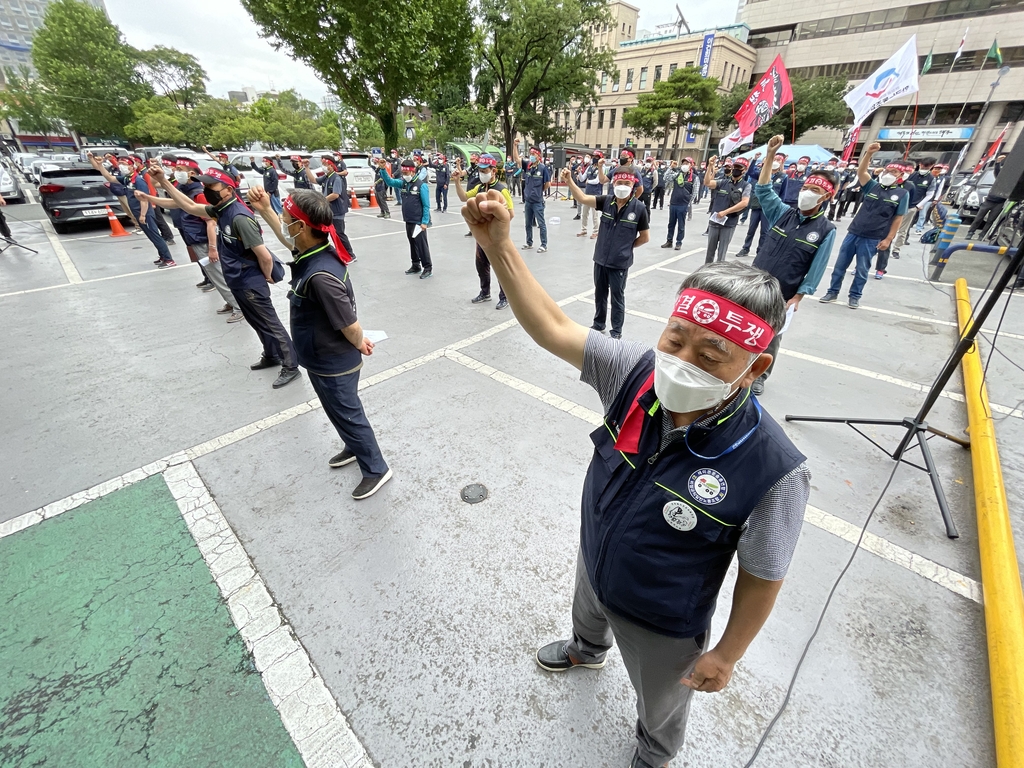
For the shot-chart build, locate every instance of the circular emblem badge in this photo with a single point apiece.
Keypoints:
(631, 216)
(894, 198)
(812, 237)
(705, 311)
(708, 486)
(679, 516)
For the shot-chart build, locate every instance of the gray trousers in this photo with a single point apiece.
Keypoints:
(655, 664)
(214, 271)
(904, 231)
(719, 238)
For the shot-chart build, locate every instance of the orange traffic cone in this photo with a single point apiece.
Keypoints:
(354, 202)
(116, 230)
(373, 200)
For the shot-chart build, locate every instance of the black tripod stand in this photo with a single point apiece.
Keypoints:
(6, 242)
(916, 427)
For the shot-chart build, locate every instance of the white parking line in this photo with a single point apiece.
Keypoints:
(29, 197)
(70, 270)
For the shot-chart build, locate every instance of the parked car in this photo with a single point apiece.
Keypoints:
(360, 174)
(147, 153)
(102, 149)
(10, 189)
(20, 159)
(251, 178)
(973, 193)
(74, 194)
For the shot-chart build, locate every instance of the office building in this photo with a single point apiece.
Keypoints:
(838, 37)
(19, 20)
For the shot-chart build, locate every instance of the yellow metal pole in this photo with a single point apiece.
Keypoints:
(1000, 573)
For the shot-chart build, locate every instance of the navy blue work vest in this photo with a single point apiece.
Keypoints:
(647, 179)
(877, 211)
(617, 232)
(793, 186)
(593, 182)
(339, 205)
(240, 265)
(308, 318)
(641, 567)
(917, 185)
(192, 228)
(300, 179)
(271, 181)
(790, 247)
(412, 205)
(682, 189)
(726, 194)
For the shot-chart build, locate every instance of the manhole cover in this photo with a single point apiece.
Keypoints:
(474, 494)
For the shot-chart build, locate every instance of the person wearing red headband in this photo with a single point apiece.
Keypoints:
(536, 183)
(414, 197)
(688, 470)
(334, 186)
(221, 158)
(757, 220)
(730, 195)
(328, 338)
(873, 228)
(624, 227)
(593, 179)
(799, 242)
(249, 266)
(488, 176)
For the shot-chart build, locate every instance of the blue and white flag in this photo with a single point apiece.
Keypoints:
(896, 78)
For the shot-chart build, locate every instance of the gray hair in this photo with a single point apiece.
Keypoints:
(751, 288)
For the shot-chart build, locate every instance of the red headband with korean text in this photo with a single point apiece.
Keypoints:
(299, 215)
(821, 182)
(726, 318)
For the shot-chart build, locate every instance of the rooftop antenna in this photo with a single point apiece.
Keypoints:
(681, 22)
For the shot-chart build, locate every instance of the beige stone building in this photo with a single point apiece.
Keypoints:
(854, 37)
(645, 61)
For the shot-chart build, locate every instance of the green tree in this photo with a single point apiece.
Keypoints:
(175, 74)
(686, 97)
(207, 115)
(818, 103)
(86, 67)
(157, 121)
(540, 52)
(374, 59)
(25, 100)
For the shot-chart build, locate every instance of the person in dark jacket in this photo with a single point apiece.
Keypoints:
(328, 337)
(729, 197)
(442, 178)
(680, 182)
(271, 181)
(688, 471)
(757, 220)
(334, 186)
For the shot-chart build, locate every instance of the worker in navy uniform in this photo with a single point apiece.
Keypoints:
(798, 174)
(799, 242)
(442, 177)
(271, 181)
(649, 179)
(680, 182)
(624, 227)
(730, 195)
(873, 228)
(298, 172)
(328, 337)
(536, 183)
(249, 267)
(687, 471)
(757, 220)
(658, 199)
(334, 186)
(488, 181)
(593, 185)
(415, 196)
(221, 159)
(883, 254)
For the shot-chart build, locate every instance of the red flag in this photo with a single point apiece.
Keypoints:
(771, 92)
(850, 144)
(993, 150)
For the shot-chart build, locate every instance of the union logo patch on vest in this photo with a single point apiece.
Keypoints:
(894, 198)
(631, 216)
(708, 486)
(679, 516)
(812, 237)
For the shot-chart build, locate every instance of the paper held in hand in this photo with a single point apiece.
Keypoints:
(375, 336)
(718, 218)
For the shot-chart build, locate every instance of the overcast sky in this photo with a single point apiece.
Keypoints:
(242, 57)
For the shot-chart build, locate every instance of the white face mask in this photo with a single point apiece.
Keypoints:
(287, 236)
(776, 165)
(125, 169)
(886, 179)
(181, 177)
(801, 167)
(807, 199)
(684, 388)
(622, 192)
(408, 176)
(685, 168)
(485, 177)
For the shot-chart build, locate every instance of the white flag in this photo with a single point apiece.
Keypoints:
(733, 140)
(960, 48)
(896, 78)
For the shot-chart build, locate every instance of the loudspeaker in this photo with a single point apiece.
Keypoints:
(559, 157)
(1010, 181)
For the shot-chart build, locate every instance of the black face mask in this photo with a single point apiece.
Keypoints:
(737, 173)
(624, 160)
(212, 195)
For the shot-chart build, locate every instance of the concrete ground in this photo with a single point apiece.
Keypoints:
(421, 612)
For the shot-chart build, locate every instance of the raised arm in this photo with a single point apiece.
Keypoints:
(179, 197)
(600, 172)
(863, 176)
(98, 165)
(545, 322)
(260, 202)
(577, 193)
(709, 174)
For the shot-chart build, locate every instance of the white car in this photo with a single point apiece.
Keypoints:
(10, 189)
(360, 174)
(20, 159)
(251, 178)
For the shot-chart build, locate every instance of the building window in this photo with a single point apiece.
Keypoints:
(600, 119)
(630, 30)
(579, 118)
(22, 24)
(643, 78)
(689, 63)
(611, 119)
(629, 79)
(615, 84)
(1013, 111)
(623, 26)
(672, 68)
(590, 118)
(657, 74)
(604, 82)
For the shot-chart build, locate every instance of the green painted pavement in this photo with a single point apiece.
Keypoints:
(116, 648)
